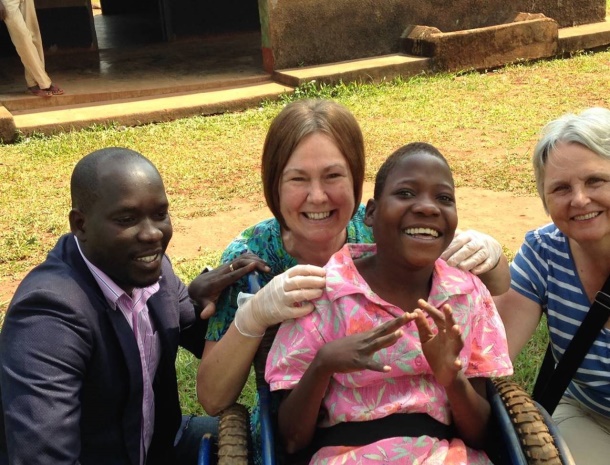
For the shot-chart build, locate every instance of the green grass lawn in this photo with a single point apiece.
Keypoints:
(485, 123)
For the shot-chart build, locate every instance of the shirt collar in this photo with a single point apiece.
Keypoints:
(344, 279)
(109, 288)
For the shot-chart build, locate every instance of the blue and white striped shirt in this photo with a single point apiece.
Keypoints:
(544, 271)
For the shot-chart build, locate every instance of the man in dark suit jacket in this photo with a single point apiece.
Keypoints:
(84, 376)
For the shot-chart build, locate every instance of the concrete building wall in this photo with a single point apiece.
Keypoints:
(307, 32)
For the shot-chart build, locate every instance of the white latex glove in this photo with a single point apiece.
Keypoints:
(473, 251)
(285, 296)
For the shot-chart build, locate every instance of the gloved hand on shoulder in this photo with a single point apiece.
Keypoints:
(473, 251)
(286, 296)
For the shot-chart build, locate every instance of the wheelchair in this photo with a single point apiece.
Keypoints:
(521, 431)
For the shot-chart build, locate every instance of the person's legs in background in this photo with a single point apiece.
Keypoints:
(27, 43)
(28, 9)
(586, 433)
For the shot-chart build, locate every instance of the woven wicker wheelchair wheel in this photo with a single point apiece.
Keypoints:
(233, 431)
(536, 440)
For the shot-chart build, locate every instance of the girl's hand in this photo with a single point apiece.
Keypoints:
(355, 352)
(442, 350)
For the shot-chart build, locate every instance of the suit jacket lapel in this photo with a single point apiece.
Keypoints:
(132, 417)
(157, 310)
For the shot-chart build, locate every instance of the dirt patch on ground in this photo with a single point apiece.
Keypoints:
(501, 214)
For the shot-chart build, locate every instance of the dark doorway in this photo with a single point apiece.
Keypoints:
(129, 53)
(214, 16)
(121, 23)
(65, 25)
(130, 27)
(73, 25)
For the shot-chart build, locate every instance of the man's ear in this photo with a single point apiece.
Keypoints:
(370, 212)
(77, 223)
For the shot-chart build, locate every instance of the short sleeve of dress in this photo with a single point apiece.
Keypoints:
(486, 336)
(529, 269)
(293, 350)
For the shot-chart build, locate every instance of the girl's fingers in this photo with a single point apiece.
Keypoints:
(382, 342)
(423, 328)
(443, 317)
(448, 313)
(456, 331)
(391, 326)
(387, 330)
(374, 366)
(387, 335)
(453, 329)
(437, 316)
(378, 344)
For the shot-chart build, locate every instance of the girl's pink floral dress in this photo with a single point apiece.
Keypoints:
(349, 306)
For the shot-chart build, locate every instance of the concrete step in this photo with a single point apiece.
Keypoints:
(585, 37)
(133, 106)
(136, 111)
(367, 69)
(91, 92)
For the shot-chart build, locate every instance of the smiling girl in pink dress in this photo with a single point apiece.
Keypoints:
(367, 378)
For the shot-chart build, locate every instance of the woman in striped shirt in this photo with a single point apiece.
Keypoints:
(561, 266)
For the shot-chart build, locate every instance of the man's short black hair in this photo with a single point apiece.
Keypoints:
(85, 186)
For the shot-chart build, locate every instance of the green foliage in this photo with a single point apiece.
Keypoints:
(187, 270)
(186, 371)
(313, 89)
(186, 363)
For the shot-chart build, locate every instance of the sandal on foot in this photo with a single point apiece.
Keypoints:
(38, 92)
(55, 90)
